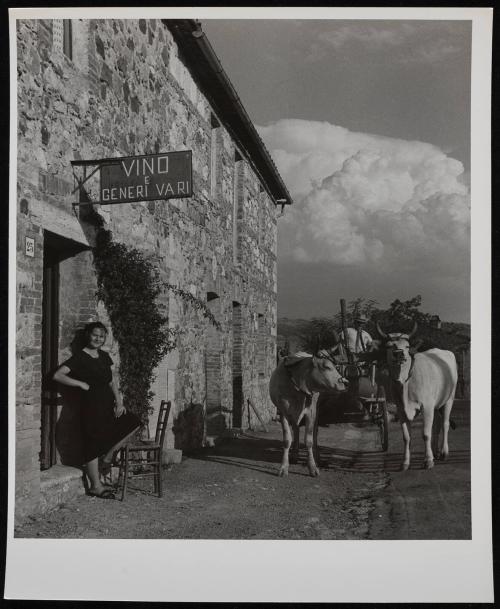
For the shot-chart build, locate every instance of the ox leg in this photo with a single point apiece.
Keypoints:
(294, 455)
(406, 429)
(427, 435)
(436, 428)
(315, 439)
(446, 427)
(287, 441)
(309, 432)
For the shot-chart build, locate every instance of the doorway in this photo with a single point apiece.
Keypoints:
(50, 352)
(237, 367)
(215, 420)
(56, 249)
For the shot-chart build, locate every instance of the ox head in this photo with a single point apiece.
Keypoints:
(398, 353)
(325, 376)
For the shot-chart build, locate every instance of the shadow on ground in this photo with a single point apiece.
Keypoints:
(354, 461)
(245, 451)
(253, 452)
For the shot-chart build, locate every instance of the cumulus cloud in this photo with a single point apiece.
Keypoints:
(371, 201)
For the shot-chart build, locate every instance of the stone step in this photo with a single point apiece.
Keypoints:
(59, 484)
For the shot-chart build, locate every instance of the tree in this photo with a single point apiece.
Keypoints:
(320, 334)
(402, 314)
(358, 306)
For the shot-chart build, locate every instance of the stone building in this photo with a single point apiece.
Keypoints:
(100, 89)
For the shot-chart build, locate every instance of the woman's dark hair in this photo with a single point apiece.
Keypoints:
(89, 328)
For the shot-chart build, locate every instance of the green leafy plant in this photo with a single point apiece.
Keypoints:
(130, 286)
(195, 302)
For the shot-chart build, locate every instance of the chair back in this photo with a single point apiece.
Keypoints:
(161, 425)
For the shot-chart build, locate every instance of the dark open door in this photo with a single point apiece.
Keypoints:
(237, 367)
(50, 342)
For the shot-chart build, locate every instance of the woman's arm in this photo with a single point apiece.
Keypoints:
(61, 376)
(119, 408)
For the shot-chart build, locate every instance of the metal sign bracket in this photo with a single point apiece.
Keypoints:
(81, 181)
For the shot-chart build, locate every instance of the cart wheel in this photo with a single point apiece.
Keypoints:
(383, 422)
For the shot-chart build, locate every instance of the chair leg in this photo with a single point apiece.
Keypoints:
(149, 460)
(120, 466)
(125, 473)
(153, 456)
(160, 472)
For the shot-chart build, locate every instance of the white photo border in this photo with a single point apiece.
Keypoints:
(284, 571)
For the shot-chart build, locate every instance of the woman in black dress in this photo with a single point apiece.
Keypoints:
(106, 424)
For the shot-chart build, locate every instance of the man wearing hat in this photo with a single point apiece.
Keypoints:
(358, 339)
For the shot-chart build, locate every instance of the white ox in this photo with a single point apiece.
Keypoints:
(294, 388)
(423, 382)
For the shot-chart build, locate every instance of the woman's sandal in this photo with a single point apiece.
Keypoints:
(104, 494)
(105, 468)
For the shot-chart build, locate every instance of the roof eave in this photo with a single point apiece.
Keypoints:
(210, 76)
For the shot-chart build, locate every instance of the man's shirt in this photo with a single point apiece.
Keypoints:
(357, 341)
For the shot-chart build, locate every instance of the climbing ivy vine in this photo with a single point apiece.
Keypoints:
(130, 286)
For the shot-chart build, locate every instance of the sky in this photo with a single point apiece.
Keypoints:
(369, 125)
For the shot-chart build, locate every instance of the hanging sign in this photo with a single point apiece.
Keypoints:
(146, 178)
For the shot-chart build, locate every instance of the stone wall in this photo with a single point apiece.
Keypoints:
(126, 92)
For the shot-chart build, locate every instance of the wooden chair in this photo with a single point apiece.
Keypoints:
(145, 454)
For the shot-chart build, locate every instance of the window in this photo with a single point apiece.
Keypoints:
(62, 32)
(214, 123)
(262, 215)
(237, 206)
(68, 38)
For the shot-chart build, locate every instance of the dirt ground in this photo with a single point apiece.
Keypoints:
(232, 491)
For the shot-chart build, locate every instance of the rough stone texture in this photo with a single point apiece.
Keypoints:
(58, 485)
(172, 455)
(127, 93)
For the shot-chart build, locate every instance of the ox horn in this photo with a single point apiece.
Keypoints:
(414, 329)
(379, 330)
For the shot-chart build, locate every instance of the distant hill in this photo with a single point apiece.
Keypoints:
(291, 330)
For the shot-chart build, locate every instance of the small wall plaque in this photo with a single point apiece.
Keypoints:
(30, 247)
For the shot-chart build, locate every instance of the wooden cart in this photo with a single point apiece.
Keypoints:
(365, 396)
